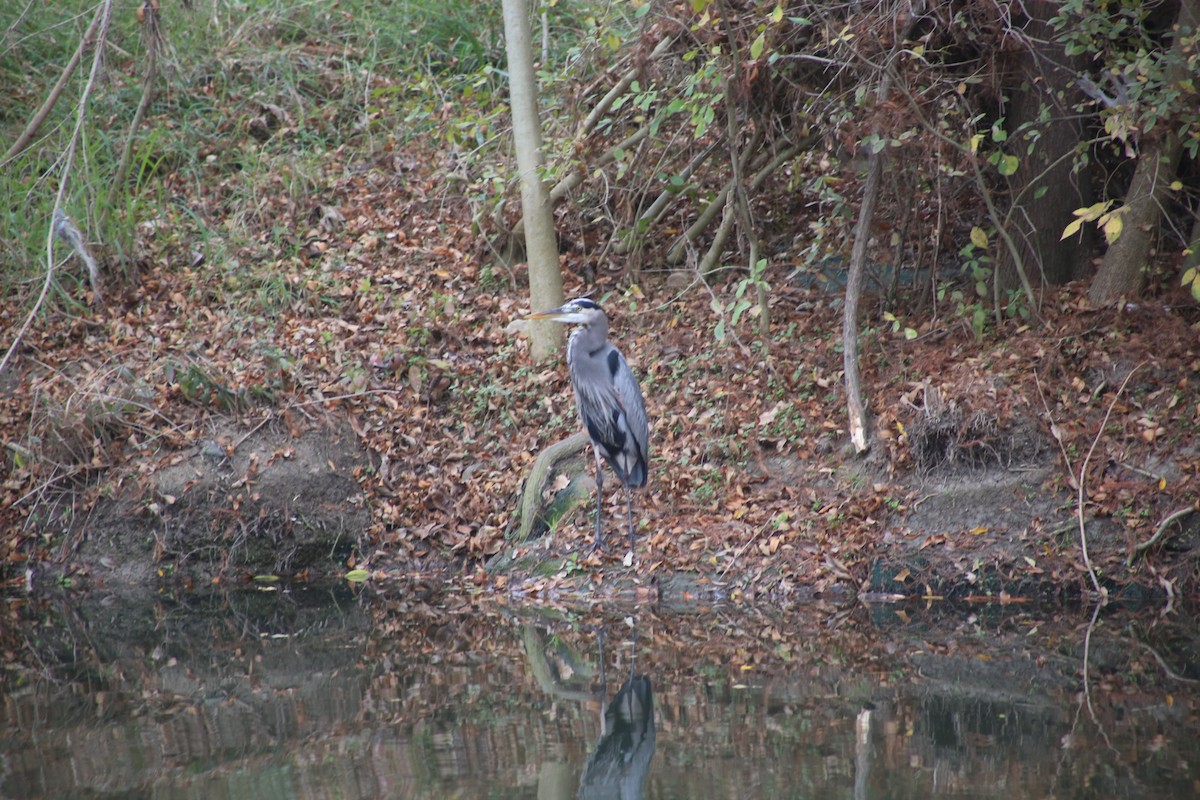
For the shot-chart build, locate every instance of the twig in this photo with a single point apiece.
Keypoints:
(1174, 516)
(1054, 430)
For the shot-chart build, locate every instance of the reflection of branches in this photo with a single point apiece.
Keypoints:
(543, 673)
(1087, 689)
(1170, 673)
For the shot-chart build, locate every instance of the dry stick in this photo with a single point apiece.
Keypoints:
(1081, 488)
(577, 176)
(152, 33)
(1174, 516)
(10, 31)
(708, 264)
(1054, 431)
(34, 124)
(659, 207)
(104, 17)
(679, 248)
(618, 89)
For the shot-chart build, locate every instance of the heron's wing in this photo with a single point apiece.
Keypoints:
(629, 398)
(612, 410)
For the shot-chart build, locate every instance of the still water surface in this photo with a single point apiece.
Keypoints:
(328, 693)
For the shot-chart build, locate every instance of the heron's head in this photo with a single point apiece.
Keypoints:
(581, 311)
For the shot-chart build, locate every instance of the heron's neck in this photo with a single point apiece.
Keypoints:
(589, 338)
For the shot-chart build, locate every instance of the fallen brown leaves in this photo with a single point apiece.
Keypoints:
(385, 311)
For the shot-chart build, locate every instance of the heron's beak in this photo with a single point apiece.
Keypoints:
(555, 314)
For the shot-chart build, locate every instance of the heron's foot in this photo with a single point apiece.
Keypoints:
(598, 544)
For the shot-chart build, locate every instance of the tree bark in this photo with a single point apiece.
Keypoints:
(1045, 187)
(545, 277)
(1123, 271)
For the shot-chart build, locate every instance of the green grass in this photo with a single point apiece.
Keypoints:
(254, 103)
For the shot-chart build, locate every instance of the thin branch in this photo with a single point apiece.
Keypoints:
(100, 26)
(1081, 489)
(103, 13)
(153, 37)
(659, 207)
(1174, 516)
(618, 89)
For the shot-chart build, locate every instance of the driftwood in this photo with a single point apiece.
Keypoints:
(531, 500)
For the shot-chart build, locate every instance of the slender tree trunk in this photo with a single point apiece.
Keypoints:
(856, 407)
(1123, 271)
(545, 277)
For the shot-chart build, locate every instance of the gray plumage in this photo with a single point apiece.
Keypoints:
(609, 399)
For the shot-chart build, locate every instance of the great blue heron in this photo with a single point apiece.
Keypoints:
(609, 399)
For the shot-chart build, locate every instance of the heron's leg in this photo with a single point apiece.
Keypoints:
(599, 543)
(629, 514)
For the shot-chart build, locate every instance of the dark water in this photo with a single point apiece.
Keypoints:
(307, 693)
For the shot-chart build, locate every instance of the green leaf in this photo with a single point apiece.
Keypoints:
(1189, 276)
(979, 238)
(757, 46)
(357, 575)
(777, 14)
(910, 334)
(1008, 165)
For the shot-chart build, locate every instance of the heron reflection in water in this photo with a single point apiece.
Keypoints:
(618, 767)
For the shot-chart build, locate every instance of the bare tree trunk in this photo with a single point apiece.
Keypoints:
(856, 408)
(1046, 188)
(1123, 270)
(545, 277)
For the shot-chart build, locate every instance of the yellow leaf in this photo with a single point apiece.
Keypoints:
(1189, 276)
(1112, 228)
(1072, 228)
(777, 14)
(977, 531)
(357, 575)
(979, 238)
